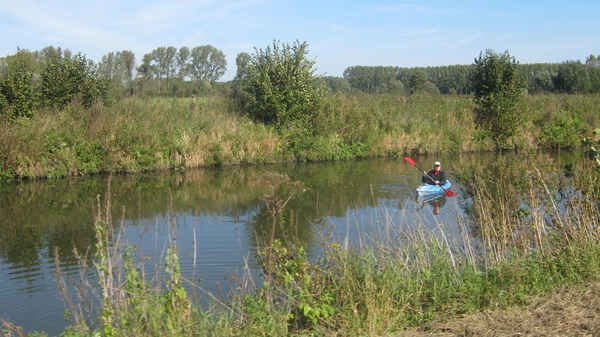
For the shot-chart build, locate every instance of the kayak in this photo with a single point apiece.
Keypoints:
(427, 189)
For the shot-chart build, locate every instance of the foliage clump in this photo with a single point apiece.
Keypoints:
(280, 85)
(16, 86)
(50, 78)
(64, 78)
(498, 94)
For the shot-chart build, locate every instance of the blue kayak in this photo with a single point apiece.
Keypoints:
(427, 189)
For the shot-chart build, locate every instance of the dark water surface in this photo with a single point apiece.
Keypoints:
(216, 216)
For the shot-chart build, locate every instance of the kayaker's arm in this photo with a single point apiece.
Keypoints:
(427, 178)
(442, 178)
(424, 178)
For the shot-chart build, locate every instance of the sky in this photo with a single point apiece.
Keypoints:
(340, 34)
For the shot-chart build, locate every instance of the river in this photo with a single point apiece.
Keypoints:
(217, 217)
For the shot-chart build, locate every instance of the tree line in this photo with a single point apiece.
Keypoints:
(571, 77)
(55, 76)
(165, 65)
(52, 76)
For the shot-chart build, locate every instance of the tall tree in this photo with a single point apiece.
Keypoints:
(543, 82)
(170, 63)
(207, 63)
(163, 59)
(338, 84)
(50, 53)
(128, 58)
(118, 68)
(183, 55)
(112, 68)
(497, 84)
(573, 78)
(593, 63)
(241, 61)
(158, 64)
(146, 70)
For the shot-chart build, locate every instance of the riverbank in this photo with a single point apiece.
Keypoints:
(137, 134)
(569, 311)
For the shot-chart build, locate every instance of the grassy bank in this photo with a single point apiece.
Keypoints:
(529, 236)
(137, 134)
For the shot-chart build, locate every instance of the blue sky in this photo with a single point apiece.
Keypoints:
(339, 33)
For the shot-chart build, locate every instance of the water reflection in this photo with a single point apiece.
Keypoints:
(217, 216)
(436, 202)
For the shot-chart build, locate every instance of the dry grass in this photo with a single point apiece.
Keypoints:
(566, 312)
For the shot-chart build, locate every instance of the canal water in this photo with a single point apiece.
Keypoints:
(217, 217)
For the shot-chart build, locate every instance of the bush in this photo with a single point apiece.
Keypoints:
(563, 130)
(280, 87)
(497, 85)
(16, 86)
(64, 78)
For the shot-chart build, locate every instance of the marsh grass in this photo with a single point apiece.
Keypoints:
(146, 134)
(132, 136)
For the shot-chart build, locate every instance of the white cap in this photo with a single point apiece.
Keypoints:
(437, 163)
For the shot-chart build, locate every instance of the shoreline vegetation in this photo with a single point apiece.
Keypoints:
(148, 134)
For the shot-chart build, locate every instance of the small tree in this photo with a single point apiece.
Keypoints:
(417, 81)
(281, 86)
(17, 87)
(241, 61)
(497, 85)
(64, 78)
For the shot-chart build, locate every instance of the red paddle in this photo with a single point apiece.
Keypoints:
(412, 162)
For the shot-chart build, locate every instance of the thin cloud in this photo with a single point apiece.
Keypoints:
(415, 32)
(466, 40)
(414, 9)
(341, 28)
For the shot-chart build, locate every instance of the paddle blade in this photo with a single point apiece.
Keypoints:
(449, 193)
(410, 161)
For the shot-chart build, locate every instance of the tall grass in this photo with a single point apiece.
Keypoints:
(530, 231)
(132, 136)
(138, 134)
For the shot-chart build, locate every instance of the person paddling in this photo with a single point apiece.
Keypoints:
(435, 176)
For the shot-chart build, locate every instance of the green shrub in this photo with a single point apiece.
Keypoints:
(17, 87)
(562, 131)
(280, 86)
(63, 79)
(498, 92)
